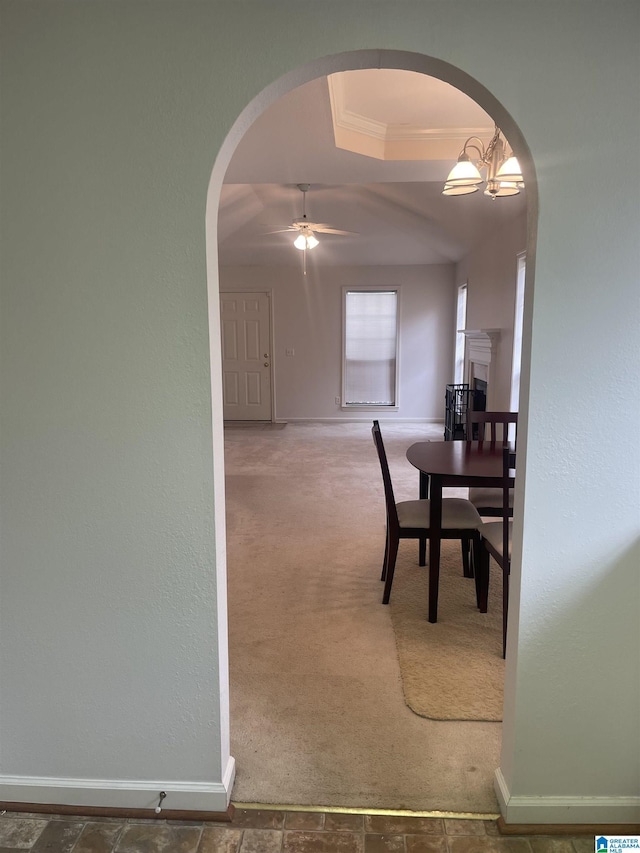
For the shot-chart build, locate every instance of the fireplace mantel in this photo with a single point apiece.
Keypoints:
(481, 344)
(480, 348)
(489, 335)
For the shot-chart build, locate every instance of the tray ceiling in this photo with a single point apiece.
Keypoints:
(394, 205)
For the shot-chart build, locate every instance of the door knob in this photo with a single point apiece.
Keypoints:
(266, 364)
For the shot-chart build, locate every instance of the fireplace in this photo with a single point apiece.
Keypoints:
(475, 392)
(480, 349)
(479, 396)
(478, 403)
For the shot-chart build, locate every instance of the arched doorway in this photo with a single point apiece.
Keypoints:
(410, 62)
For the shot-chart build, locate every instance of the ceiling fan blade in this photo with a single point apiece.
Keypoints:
(325, 230)
(282, 231)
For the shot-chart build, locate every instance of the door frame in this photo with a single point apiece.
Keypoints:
(347, 61)
(272, 378)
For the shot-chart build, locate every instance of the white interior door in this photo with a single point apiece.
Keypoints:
(245, 320)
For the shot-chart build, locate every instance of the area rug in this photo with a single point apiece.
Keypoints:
(453, 669)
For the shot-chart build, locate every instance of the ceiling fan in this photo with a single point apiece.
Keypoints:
(307, 230)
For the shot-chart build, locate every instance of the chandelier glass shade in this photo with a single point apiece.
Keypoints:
(510, 171)
(464, 173)
(502, 173)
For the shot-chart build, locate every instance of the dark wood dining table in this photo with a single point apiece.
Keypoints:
(450, 464)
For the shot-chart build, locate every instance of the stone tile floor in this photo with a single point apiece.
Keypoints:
(273, 831)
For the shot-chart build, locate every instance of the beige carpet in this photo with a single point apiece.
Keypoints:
(453, 669)
(317, 711)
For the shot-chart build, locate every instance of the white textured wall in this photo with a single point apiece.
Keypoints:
(112, 115)
(307, 317)
(108, 644)
(491, 270)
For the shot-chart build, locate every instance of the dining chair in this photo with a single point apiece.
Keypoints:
(410, 520)
(490, 426)
(495, 537)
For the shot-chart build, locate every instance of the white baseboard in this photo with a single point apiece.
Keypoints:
(361, 420)
(565, 810)
(120, 794)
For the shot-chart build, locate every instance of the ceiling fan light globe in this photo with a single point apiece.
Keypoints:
(306, 240)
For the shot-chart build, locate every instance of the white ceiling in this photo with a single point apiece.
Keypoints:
(395, 206)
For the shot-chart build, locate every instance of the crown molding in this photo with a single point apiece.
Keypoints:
(354, 124)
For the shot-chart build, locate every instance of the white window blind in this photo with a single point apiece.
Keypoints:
(370, 347)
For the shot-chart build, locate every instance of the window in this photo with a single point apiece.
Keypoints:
(461, 324)
(517, 334)
(370, 355)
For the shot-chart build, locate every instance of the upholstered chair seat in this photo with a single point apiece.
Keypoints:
(457, 514)
(492, 533)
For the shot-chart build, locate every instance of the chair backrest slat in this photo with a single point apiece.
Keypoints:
(496, 423)
(392, 512)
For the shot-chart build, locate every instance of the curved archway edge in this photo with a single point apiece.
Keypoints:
(347, 61)
(365, 59)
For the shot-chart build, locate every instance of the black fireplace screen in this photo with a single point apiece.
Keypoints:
(458, 400)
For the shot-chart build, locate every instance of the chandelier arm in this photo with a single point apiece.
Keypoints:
(480, 150)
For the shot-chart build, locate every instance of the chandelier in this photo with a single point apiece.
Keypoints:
(503, 175)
